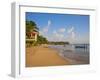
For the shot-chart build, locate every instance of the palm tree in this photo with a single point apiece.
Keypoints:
(30, 27)
(41, 40)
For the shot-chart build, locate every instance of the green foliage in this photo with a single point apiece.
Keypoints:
(41, 40)
(58, 43)
(29, 43)
(31, 26)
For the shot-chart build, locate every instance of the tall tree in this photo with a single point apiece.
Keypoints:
(41, 40)
(31, 26)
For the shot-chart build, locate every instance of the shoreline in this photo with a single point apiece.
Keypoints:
(43, 56)
(74, 56)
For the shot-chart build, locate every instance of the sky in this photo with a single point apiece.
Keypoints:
(62, 27)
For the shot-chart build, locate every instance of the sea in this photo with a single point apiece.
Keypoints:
(75, 53)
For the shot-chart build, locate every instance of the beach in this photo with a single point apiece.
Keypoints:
(76, 56)
(49, 42)
(44, 56)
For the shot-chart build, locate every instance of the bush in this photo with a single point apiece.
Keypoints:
(30, 43)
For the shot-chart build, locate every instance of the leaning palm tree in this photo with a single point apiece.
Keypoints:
(30, 27)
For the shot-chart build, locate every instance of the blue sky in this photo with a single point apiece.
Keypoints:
(62, 27)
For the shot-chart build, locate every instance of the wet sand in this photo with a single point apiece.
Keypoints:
(43, 56)
(75, 56)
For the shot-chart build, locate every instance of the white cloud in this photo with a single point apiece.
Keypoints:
(45, 29)
(70, 29)
(71, 34)
(54, 32)
(57, 36)
(68, 35)
(49, 22)
(82, 39)
(62, 30)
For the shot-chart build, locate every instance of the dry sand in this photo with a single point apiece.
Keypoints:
(43, 56)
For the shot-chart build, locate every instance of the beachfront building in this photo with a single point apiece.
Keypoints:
(31, 36)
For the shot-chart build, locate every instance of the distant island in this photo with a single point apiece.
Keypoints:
(58, 43)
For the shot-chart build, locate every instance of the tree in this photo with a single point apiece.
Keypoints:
(41, 40)
(31, 26)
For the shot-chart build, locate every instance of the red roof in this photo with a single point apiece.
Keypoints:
(33, 33)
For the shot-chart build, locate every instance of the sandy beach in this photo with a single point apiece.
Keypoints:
(43, 56)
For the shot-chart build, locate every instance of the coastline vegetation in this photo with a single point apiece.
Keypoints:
(32, 27)
(58, 43)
